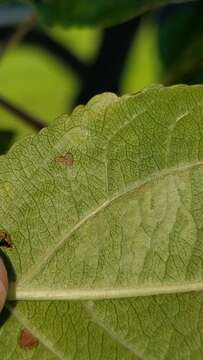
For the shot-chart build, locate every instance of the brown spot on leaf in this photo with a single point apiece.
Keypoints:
(5, 239)
(28, 340)
(66, 159)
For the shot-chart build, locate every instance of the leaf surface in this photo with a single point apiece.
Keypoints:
(100, 12)
(182, 58)
(105, 208)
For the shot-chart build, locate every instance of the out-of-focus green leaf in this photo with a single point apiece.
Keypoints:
(99, 12)
(83, 42)
(143, 65)
(107, 204)
(180, 43)
(37, 83)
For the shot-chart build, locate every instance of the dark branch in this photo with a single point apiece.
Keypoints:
(48, 43)
(25, 116)
(56, 49)
(105, 73)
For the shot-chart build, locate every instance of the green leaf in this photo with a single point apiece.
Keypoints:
(182, 58)
(100, 12)
(105, 208)
(19, 83)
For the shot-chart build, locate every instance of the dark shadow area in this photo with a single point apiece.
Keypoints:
(182, 59)
(6, 140)
(7, 312)
(105, 72)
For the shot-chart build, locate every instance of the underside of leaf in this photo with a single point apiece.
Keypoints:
(107, 204)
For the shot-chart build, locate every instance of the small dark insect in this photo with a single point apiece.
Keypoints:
(5, 239)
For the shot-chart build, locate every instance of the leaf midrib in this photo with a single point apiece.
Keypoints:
(135, 186)
(101, 294)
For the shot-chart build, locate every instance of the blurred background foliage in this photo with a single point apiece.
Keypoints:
(47, 71)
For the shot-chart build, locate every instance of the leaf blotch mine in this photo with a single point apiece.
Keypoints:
(66, 159)
(5, 239)
(27, 340)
